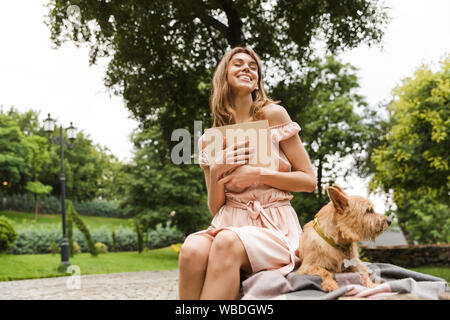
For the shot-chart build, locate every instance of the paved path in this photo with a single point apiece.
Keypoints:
(147, 285)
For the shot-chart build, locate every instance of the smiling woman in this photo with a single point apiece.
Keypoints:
(254, 226)
(238, 77)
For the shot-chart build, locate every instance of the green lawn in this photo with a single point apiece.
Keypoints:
(33, 266)
(440, 272)
(25, 219)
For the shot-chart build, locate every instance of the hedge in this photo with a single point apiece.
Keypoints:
(32, 240)
(52, 205)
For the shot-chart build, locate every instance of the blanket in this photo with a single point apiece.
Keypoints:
(390, 279)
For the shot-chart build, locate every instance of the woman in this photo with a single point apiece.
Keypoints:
(254, 226)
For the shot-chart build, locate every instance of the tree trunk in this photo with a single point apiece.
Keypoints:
(319, 177)
(35, 208)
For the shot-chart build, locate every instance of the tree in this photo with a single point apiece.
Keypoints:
(15, 155)
(162, 51)
(28, 156)
(37, 189)
(39, 158)
(334, 120)
(413, 160)
(74, 217)
(155, 189)
(163, 54)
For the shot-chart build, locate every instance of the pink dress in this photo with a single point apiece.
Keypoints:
(262, 216)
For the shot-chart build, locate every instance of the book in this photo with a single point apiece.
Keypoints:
(258, 134)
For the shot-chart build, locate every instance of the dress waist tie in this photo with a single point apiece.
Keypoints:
(256, 210)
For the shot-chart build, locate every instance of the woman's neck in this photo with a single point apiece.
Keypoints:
(242, 106)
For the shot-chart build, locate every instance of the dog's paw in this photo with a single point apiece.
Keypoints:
(329, 285)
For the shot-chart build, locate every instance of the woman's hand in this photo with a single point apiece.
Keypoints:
(229, 158)
(241, 178)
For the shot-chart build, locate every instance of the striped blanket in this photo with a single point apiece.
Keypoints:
(392, 280)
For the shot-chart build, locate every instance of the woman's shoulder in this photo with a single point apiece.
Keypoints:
(275, 114)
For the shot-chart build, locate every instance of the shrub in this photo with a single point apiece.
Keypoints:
(140, 237)
(103, 235)
(34, 240)
(164, 236)
(76, 247)
(7, 234)
(52, 205)
(114, 247)
(82, 227)
(176, 247)
(54, 248)
(101, 247)
(125, 239)
(98, 208)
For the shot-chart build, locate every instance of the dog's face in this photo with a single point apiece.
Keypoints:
(355, 217)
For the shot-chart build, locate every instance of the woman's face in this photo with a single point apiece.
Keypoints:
(242, 73)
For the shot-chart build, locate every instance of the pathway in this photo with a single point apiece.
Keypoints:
(147, 285)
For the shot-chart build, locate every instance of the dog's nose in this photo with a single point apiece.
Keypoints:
(389, 222)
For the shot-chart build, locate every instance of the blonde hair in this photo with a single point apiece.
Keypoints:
(222, 110)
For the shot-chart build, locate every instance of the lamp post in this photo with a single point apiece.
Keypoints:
(49, 126)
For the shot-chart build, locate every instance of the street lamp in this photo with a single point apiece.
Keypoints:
(49, 127)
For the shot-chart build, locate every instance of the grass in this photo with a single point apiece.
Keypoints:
(34, 266)
(26, 219)
(440, 272)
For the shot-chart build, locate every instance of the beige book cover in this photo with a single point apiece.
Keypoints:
(258, 133)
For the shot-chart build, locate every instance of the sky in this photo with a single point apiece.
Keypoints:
(35, 76)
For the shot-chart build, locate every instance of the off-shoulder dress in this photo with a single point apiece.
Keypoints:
(262, 216)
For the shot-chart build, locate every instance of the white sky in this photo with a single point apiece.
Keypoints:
(60, 82)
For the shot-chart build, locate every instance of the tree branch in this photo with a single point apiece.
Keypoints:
(210, 21)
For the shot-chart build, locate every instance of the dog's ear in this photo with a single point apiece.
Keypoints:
(339, 188)
(339, 198)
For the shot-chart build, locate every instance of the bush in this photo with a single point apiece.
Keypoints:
(114, 247)
(76, 247)
(103, 235)
(125, 239)
(52, 205)
(7, 234)
(74, 217)
(34, 240)
(98, 208)
(101, 247)
(164, 236)
(54, 248)
(26, 203)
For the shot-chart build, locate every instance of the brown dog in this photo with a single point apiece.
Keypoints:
(330, 241)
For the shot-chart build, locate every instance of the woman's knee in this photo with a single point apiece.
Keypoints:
(227, 242)
(195, 251)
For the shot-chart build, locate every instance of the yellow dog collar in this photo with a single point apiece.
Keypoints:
(327, 239)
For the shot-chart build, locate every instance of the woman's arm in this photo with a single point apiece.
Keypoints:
(216, 192)
(302, 177)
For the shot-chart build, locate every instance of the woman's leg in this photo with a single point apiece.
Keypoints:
(226, 258)
(192, 266)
